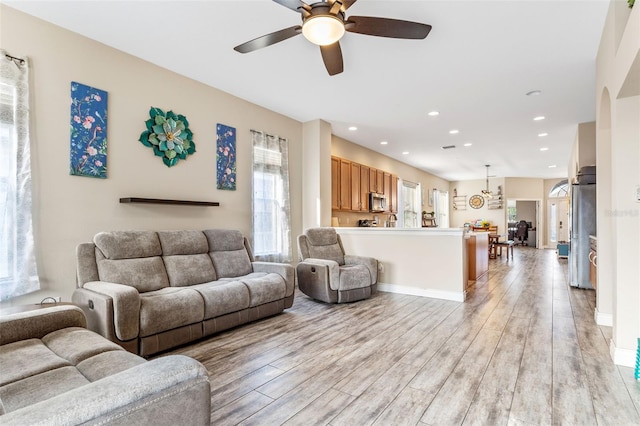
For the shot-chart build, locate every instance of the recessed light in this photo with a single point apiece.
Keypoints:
(534, 93)
(353, 128)
(542, 135)
(454, 132)
(544, 149)
(468, 144)
(405, 152)
(384, 143)
(433, 113)
(553, 166)
(538, 118)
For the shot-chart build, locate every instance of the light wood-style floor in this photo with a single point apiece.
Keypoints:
(522, 350)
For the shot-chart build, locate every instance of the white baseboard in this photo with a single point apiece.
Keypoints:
(624, 357)
(603, 319)
(412, 291)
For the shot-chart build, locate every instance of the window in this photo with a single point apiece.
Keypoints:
(441, 207)
(410, 204)
(270, 206)
(18, 272)
(560, 190)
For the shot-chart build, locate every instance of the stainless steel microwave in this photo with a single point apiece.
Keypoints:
(377, 202)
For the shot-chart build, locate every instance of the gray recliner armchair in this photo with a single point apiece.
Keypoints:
(326, 273)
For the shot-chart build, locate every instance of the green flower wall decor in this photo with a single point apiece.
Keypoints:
(169, 136)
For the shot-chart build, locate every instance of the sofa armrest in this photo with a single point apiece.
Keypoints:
(37, 323)
(126, 307)
(164, 391)
(333, 269)
(369, 262)
(285, 270)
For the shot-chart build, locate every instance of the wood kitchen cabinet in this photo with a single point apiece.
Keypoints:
(394, 194)
(352, 182)
(376, 180)
(335, 183)
(390, 191)
(356, 187)
(340, 184)
(364, 188)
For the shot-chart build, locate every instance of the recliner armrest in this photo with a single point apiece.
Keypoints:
(333, 269)
(285, 270)
(369, 262)
(126, 307)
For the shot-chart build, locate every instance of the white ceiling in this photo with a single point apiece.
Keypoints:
(475, 67)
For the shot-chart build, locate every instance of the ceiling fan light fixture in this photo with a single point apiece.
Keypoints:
(486, 193)
(323, 30)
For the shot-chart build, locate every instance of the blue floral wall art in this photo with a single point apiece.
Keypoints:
(88, 153)
(226, 157)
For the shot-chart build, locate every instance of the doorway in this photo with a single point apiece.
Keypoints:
(529, 211)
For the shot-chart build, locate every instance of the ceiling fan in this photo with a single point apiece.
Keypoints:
(325, 22)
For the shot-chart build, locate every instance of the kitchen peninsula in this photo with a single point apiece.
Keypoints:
(429, 262)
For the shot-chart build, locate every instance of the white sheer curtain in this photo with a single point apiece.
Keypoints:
(18, 271)
(441, 207)
(270, 204)
(410, 196)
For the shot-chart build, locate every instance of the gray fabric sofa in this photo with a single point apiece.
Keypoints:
(150, 291)
(53, 371)
(326, 273)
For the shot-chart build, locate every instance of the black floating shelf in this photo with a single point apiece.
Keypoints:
(164, 201)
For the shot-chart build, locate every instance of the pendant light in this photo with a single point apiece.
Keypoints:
(485, 192)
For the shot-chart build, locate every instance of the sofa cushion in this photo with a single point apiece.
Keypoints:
(354, 276)
(26, 358)
(183, 242)
(128, 244)
(144, 274)
(231, 264)
(228, 252)
(223, 297)
(224, 239)
(264, 288)
(189, 269)
(323, 244)
(75, 344)
(40, 387)
(169, 308)
(108, 363)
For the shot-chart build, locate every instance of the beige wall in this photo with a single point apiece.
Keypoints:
(618, 175)
(472, 187)
(71, 209)
(584, 149)
(350, 151)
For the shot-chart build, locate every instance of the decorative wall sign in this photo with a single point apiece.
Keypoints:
(476, 201)
(169, 136)
(88, 146)
(226, 157)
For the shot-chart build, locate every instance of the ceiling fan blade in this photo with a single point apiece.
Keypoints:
(385, 27)
(332, 57)
(346, 4)
(294, 5)
(268, 39)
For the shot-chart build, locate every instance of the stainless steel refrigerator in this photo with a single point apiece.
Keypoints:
(583, 223)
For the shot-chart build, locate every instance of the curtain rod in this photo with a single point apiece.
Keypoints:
(15, 59)
(266, 134)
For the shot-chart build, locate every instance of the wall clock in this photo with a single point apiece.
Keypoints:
(476, 201)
